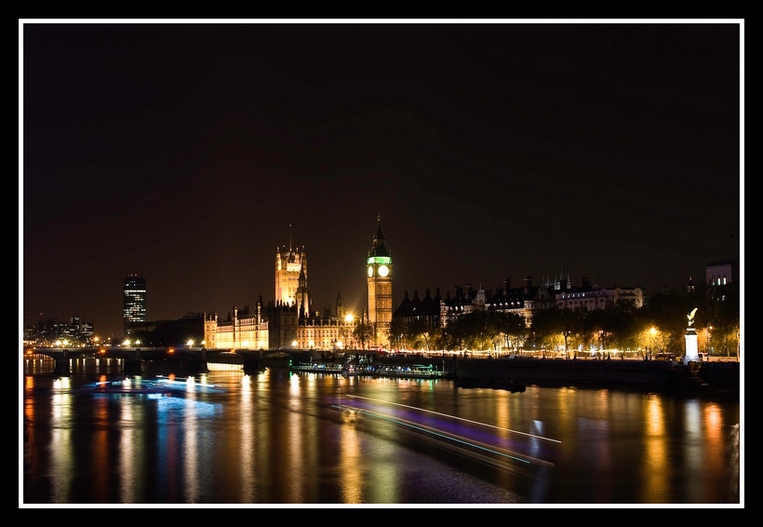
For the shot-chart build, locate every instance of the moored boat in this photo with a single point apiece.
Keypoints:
(415, 371)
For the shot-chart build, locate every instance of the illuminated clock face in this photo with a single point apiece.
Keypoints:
(370, 270)
(383, 270)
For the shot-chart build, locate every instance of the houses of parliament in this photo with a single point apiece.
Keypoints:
(289, 322)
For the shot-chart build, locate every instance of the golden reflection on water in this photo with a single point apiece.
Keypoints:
(715, 432)
(246, 444)
(99, 450)
(504, 422)
(61, 445)
(264, 446)
(655, 486)
(351, 465)
(191, 444)
(295, 447)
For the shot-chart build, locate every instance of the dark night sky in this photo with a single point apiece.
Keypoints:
(183, 152)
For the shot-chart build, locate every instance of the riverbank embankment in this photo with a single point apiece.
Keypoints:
(646, 375)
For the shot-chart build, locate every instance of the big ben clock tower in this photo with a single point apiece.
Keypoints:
(379, 277)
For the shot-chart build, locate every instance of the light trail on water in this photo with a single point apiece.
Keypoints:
(423, 410)
(457, 434)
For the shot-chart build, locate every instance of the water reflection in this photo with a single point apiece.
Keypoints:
(351, 463)
(276, 437)
(61, 445)
(245, 459)
(655, 453)
(129, 462)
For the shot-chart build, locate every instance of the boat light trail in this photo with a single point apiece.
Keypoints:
(534, 436)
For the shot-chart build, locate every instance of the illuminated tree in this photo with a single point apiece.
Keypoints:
(364, 332)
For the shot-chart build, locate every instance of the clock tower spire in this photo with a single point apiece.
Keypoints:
(379, 272)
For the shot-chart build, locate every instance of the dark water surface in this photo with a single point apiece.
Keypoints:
(100, 438)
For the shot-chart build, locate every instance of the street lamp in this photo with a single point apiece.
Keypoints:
(652, 339)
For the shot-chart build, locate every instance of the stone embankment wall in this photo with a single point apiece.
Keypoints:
(721, 375)
(658, 375)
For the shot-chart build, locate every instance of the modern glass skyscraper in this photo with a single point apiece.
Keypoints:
(134, 301)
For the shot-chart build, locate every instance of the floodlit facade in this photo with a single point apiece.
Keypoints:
(291, 277)
(589, 297)
(379, 280)
(240, 330)
(290, 322)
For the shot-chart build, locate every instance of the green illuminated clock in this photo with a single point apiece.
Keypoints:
(379, 266)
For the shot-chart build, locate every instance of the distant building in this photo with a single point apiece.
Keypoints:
(526, 301)
(80, 330)
(589, 297)
(721, 277)
(50, 332)
(465, 300)
(134, 302)
(295, 328)
(291, 277)
(437, 312)
(240, 330)
(426, 311)
(722, 273)
(379, 281)
(290, 322)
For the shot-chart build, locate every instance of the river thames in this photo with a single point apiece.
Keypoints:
(98, 438)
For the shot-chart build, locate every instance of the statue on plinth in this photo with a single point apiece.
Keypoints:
(692, 354)
(690, 316)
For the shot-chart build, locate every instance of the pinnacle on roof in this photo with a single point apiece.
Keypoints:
(379, 249)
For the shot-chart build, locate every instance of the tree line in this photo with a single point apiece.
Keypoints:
(659, 327)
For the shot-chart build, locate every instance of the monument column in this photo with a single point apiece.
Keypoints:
(692, 353)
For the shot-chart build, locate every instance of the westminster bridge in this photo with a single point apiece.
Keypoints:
(194, 358)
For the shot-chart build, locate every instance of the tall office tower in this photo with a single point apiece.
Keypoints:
(291, 273)
(379, 269)
(134, 302)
